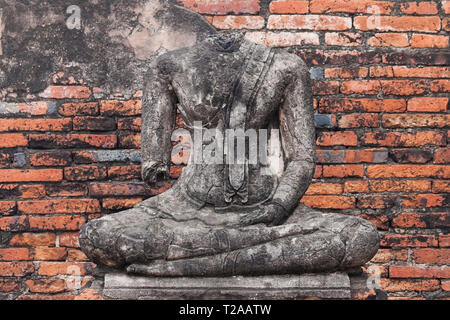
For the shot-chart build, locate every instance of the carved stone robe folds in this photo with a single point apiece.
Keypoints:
(196, 228)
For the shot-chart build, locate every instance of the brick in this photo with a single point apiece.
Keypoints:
(329, 202)
(124, 172)
(346, 72)
(30, 175)
(16, 269)
(109, 108)
(35, 108)
(66, 223)
(46, 285)
(32, 191)
(120, 204)
(424, 201)
(283, 39)
(325, 87)
(418, 120)
(65, 268)
(343, 138)
(410, 155)
(441, 186)
(380, 221)
(445, 285)
(333, 105)
(133, 124)
(59, 206)
(444, 240)
(442, 155)
(76, 255)
(406, 298)
(375, 202)
(351, 6)
(33, 239)
(50, 159)
(429, 41)
(49, 254)
(356, 186)
(366, 155)
(440, 86)
(309, 22)
(399, 40)
(14, 223)
(357, 120)
(446, 6)
(403, 139)
(50, 141)
(35, 125)
(330, 156)
(381, 71)
(12, 140)
(408, 171)
(222, 6)
(419, 8)
(66, 92)
(7, 207)
(403, 87)
(432, 256)
(238, 22)
(360, 87)
(406, 240)
(69, 240)
(419, 272)
(129, 140)
(427, 104)
(345, 39)
(339, 57)
(388, 255)
(289, 6)
(10, 285)
(399, 185)
(116, 189)
(94, 124)
(324, 188)
(403, 23)
(11, 254)
(106, 156)
(6, 158)
(421, 220)
(422, 72)
(67, 189)
(85, 173)
(413, 58)
(393, 285)
(79, 109)
(341, 171)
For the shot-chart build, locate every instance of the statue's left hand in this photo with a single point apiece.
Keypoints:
(271, 214)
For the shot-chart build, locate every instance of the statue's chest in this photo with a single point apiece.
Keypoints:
(225, 90)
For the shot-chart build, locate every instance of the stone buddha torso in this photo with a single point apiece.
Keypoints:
(229, 217)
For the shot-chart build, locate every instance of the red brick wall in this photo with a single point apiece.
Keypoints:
(381, 94)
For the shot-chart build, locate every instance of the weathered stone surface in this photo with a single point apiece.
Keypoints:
(112, 47)
(325, 286)
(223, 216)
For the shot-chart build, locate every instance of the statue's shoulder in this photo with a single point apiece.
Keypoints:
(289, 61)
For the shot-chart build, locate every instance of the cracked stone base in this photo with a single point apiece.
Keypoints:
(120, 286)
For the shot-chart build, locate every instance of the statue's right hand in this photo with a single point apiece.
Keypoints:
(154, 172)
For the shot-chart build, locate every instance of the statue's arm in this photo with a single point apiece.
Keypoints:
(158, 119)
(298, 141)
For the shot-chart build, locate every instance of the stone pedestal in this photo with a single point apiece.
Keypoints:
(121, 286)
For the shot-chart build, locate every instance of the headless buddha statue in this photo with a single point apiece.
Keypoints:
(224, 218)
